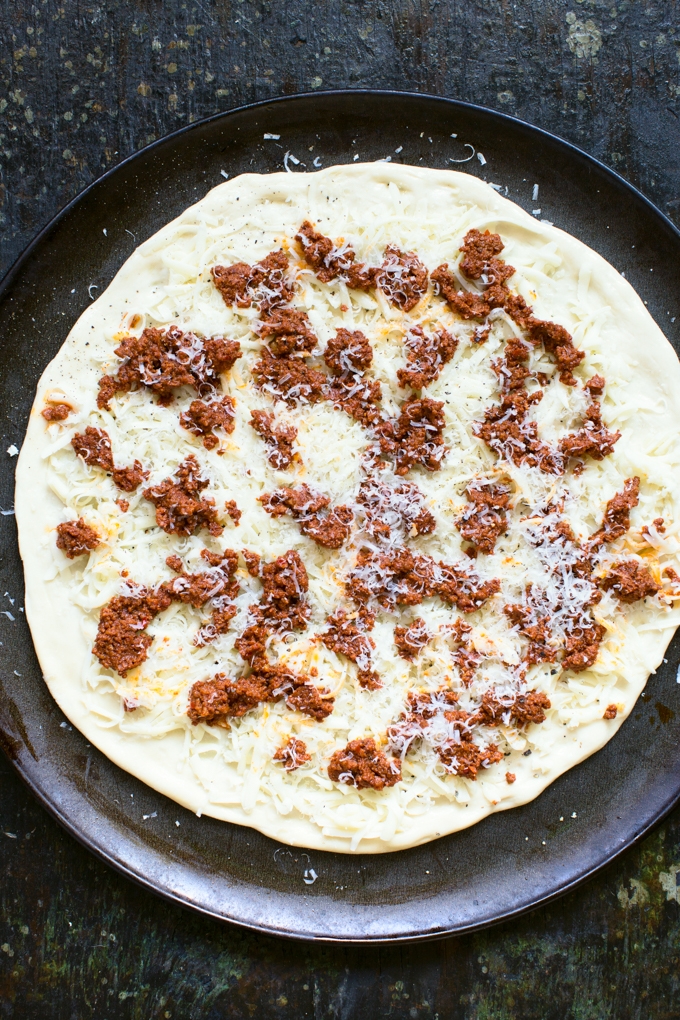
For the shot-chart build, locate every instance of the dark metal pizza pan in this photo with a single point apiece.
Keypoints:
(510, 862)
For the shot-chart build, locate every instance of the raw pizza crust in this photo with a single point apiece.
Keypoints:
(393, 200)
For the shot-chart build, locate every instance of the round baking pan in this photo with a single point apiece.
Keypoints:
(513, 860)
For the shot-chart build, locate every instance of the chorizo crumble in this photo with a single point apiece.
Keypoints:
(94, 446)
(293, 754)
(75, 538)
(202, 418)
(122, 642)
(361, 764)
(265, 284)
(56, 412)
(180, 508)
(162, 360)
(410, 641)
(425, 356)
(327, 526)
(278, 439)
(415, 437)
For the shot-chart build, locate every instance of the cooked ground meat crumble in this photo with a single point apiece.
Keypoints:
(278, 439)
(265, 284)
(75, 538)
(293, 754)
(56, 412)
(485, 519)
(361, 764)
(327, 526)
(180, 508)
(94, 446)
(415, 437)
(410, 641)
(163, 360)
(202, 418)
(122, 642)
(402, 278)
(425, 356)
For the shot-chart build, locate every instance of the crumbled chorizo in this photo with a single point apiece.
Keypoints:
(582, 647)
(215, 701)
(401, 577)
(252, 644)
(361, 277)
(266, 284)
(425, 356)
(180, 509)
(56, 412)
(75, 538)
(510, 778)
(593, 439)
(595, 385)
(410, 641)
(278, 439)
(94, 446)
(327, 527)
(526, 708)
(346, 636)
(657, 524)
(252, 560)
(556, 339)
(197, 589)
(356, 396)
(307, 699)
(485, 518)
(533, 622)
(130, 478)
(434, 716)
(616, 520)
(395, 577)
(362, 765)
(348, 352)
(402, 278)
(630, 581)
(285, 585)
(611, 712)
(467, 303)
(508, 433)
(480, 262)
(558, 342)
(122, 642)
(163, 360)
(479, 256)
(467, 758)
(464, 590)
(288, 331)
(327, 259)
(201, 418)
(402, 509)
(233, 283)
(415, 437)
(288, 379)
(293, 754)
(233, 511)
(511, 369)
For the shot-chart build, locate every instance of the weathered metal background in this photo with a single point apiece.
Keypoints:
(82, 85)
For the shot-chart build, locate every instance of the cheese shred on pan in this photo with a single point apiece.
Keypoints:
(471, 446)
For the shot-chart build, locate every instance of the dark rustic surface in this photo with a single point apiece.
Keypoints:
(82, 86)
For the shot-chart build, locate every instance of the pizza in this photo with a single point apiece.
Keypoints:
(349, 511)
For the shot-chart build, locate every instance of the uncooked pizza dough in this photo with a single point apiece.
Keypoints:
(371, 528)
